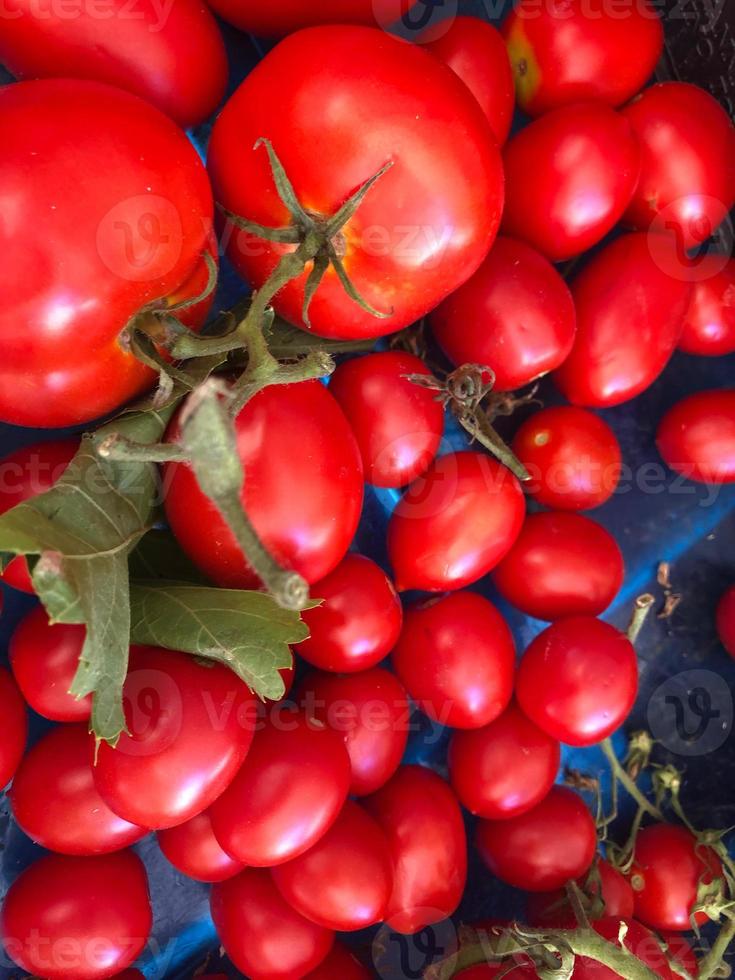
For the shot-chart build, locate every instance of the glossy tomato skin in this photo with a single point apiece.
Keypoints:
(515, 315)
(697, 436)
(631, 299)
(136, 235)
(304, 504)
(421, 817)
(572, 456)
(72, 918)
(726, 620)
(293, 15)
(552, 908)
(190, 728)
(561, 565)
(687, 182)
(456, 657)
(591, 163)
(423, 228)
(398, 424)
(193, 849)
(340, 963)
(709, 324)
(13, 726)
(543, 848)
(262, 934)
(455, 523)
(505, 768)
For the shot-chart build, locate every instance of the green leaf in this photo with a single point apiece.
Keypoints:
(160, 556)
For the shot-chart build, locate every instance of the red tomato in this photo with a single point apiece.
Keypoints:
(572, 456)
(542, 848)
(371, 710)
(631, 299)
(569, 202)
(305, 505)
(475, 51)
(578, 680)
(72, 918)
(398, 425)
(455, 523)
(515, 315)
(136, 235)
(552, 909)
(287, 794)
(561, 565)
(190, 728)
(709, 324)
(275, 20)
(422, 229)
(193, 849)
(24, 474)
(643, 943)
(697, 436)
(726, 620)
(153, 51)
(344, 881)
(340, 963)
(489, 971)
(13, 727)
(505, 768)
(262, 934)
(456, 657)
(359, 621)
(687, 182)
(563, 52)
(423, 821)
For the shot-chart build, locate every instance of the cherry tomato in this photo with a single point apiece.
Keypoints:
(193, 849)
(590, 167)
(421, 230)
(342, 964)
(359, 621)
(24, 474)
(190, 727)
(475, 51)
(13, 727)
(552, 909)
(136, 235)
(631, 299)
(515, 315)
(305, 505)
(687, 182)
(262, 934)
(726, 620)
(709, 324)
(398, 425)
(456, 657)
(572, 456)
(371, 711)
(72, 918)
(697, 436)
(561, 565)
(455, 523)
(505, 768)
(287, 794)
(542, 848)
(291, 15)
(563, 52)
(643, 943)
(578, 680)
(423, 822)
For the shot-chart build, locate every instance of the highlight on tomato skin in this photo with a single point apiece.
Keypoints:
(709, 324)
(696, 437)
(194, 850)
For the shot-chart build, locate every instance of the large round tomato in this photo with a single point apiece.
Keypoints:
(303, 490)
(697, 436)
(553, 908)
(13, 727)
(569, 177)
(72, 918)
(340, 963)
(422, 229)
(709, 324)
(515, 315)
(631, 299)
(136, 235)
(726, 620)
(277, 19)
(193, 849)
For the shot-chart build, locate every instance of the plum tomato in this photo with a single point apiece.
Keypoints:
(420, 231)
(13, 727)
(303, 491)
(193, 850)
(631, 299)
(262, 934)
(643, 943)
(709, 324)
(287, 794)
(456, 657)
(423, 822)
(552, 909)
(578, 680)
(561, 565)
(505, 768)
(515, 315)
(77, 918)
(687, 181)
(543, 848)
(697, 436)
(340, 964)
(572, 455)
(455, 523)
(569, 177)
(726, 620)
(277, 20)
